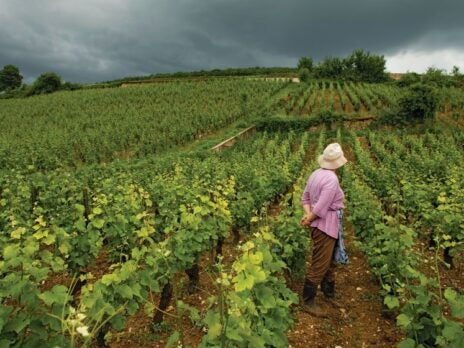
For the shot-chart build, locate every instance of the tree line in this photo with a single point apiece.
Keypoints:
(363, 66)
(11, 85)
(360, 66)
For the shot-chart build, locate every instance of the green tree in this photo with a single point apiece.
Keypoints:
(419, 103)
(366, 67)
(305, 62)
(330, 68)
(46, 83)
(10, 78)
(359, 66)
(436, 77)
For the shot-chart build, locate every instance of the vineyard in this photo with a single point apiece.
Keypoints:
(96, 126)
(345, 97)
(120, 227)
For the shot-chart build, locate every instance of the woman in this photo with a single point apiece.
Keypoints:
(322, 201)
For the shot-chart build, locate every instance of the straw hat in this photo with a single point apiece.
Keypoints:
(332, 157)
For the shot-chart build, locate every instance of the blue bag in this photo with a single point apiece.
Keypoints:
(340, 255)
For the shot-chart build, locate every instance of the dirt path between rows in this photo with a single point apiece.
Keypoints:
(359, 321)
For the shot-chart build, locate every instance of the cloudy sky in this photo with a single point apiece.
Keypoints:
(95, 40)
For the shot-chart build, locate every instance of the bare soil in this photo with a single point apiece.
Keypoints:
(139, 330)
(349, 107)
(338, 103)
(359, 321)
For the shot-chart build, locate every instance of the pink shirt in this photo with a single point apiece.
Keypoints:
(325, 196)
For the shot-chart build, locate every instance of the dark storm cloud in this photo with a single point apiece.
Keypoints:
(92, 40)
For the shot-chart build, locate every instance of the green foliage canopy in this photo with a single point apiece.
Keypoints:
(46, 83)
(419, 103)
(366, 67)
(359, 66)
(305, 62)
(10, 78)
(331, 67)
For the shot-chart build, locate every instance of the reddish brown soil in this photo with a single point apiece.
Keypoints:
(349, 107)
(356, 124)
(449, 277)
(317, 101)
(359, 321)
(138, 331)
(66, 278)
(338, 103)
(448, 119)
(326, 99)
(362, 109)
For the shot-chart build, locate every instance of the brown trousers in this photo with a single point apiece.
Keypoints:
(322, 265)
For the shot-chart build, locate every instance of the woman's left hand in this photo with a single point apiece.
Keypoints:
(305, 221)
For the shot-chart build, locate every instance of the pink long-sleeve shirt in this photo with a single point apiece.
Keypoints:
(325, 196)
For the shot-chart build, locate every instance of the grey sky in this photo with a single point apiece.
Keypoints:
(95, 40)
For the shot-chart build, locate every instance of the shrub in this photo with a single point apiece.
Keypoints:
(69, 86)
(408, 79)
(419, 103)
(285, 124)
(298, 123)
(392, 117)
(437, 77)
(304, 75)
(46, 83)
(328, 117)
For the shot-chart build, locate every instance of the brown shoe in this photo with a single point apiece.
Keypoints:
(328, 287)
(314, 309)
(308, 302)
